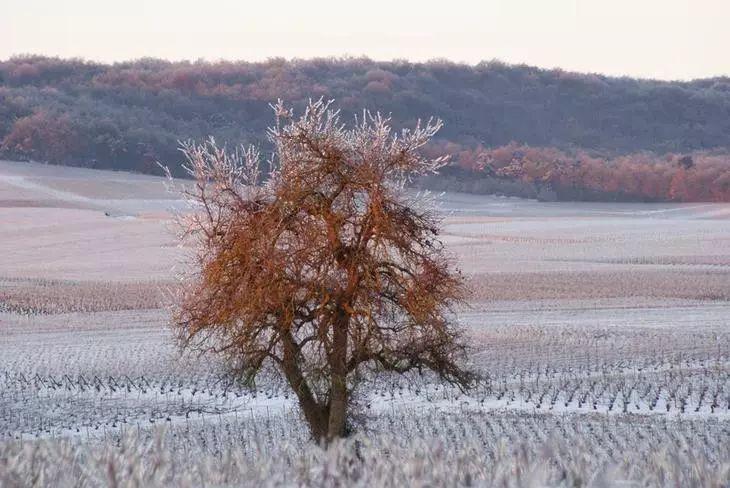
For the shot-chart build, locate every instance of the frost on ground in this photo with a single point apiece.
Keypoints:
(402, 448)
(603, 331)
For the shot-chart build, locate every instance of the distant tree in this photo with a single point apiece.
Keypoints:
(324, 270)
(43, 136)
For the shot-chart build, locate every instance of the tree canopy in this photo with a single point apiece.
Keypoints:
(326, 269)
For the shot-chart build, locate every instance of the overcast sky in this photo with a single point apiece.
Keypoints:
(666, 39)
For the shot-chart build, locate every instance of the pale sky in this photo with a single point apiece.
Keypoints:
(665, 39)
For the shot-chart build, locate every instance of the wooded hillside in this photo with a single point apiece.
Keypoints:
(129, 115)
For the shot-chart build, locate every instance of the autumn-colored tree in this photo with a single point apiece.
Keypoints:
(643, 176)
(42, 135)
(325, 269)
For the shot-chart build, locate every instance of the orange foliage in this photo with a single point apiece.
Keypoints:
(325, 270)
(42, 135)
(641, 176)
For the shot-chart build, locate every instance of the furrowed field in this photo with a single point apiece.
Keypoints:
(602, 330)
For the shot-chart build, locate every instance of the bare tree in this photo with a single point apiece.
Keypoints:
(325, 269)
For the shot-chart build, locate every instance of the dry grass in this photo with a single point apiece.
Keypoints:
(55, 296)
(661, 284)
(431, 450)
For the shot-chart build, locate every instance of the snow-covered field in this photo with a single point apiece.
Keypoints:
(603, 331)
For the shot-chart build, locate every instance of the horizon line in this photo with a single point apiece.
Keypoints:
(352, 57)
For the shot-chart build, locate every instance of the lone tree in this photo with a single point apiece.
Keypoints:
(322, 269)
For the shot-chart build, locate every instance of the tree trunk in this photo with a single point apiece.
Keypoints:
(316, 417)
(315, 414)
(338, 385)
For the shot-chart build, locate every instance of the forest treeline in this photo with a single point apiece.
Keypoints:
(515, 130)
(547, 173)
